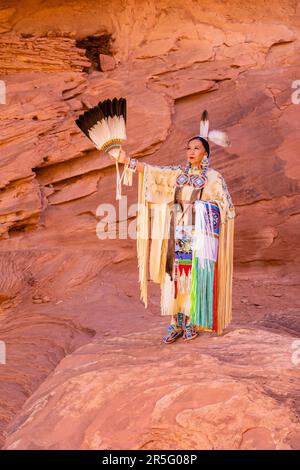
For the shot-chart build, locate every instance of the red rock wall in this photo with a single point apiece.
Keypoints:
(171, 60)
(59, 284)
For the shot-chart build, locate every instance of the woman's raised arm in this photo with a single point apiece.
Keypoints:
(123, 158)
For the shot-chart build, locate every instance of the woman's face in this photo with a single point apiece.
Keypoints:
(195, 152)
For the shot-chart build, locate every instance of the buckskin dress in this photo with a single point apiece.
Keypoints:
(185, 243)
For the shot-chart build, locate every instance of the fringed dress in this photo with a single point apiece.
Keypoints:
(191, 254)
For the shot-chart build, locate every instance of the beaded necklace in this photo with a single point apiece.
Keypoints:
(188, 178)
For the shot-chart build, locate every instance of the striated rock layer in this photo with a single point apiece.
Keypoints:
(60, 285)
(239, 63)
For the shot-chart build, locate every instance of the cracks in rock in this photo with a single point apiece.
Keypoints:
(252, 203)
(72, 91)
(289, 322)
(194, 95)
(68, 201)
(89, 213)
(250, 429)
(72, 96)
(42, 319)
(41, 167)
(278, 44)
(220, 80)
(26, 225)
(66, 181)
(273, 97)
(264, 262)
(70, 179)
(282, 397)
(171, 71)
(294, 213)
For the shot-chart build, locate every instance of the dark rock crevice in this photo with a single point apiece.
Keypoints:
(94, 46)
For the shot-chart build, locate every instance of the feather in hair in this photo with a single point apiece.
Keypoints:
(219, 138)
(204, 124)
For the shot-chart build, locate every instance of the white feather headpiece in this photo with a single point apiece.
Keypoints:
(216, 136)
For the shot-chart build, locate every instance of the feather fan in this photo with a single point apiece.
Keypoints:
(105, 126)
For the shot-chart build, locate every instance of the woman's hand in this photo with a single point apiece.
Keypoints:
(122, 156)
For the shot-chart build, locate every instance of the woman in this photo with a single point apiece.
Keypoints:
(188, 246)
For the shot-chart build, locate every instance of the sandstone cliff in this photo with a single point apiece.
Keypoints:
(62, 288)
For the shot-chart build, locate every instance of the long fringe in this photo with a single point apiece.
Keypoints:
(167, 301)
(143, 240)
(159, 238)
(202, 294)
(127, 181)
(225, 274)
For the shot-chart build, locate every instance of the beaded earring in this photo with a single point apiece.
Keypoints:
(205, 163)
(188, 167)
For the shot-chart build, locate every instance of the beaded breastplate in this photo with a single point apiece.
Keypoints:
(186, 178)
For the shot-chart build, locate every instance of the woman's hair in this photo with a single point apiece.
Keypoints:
(204, 142)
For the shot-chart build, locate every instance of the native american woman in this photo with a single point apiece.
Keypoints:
(185, 230)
